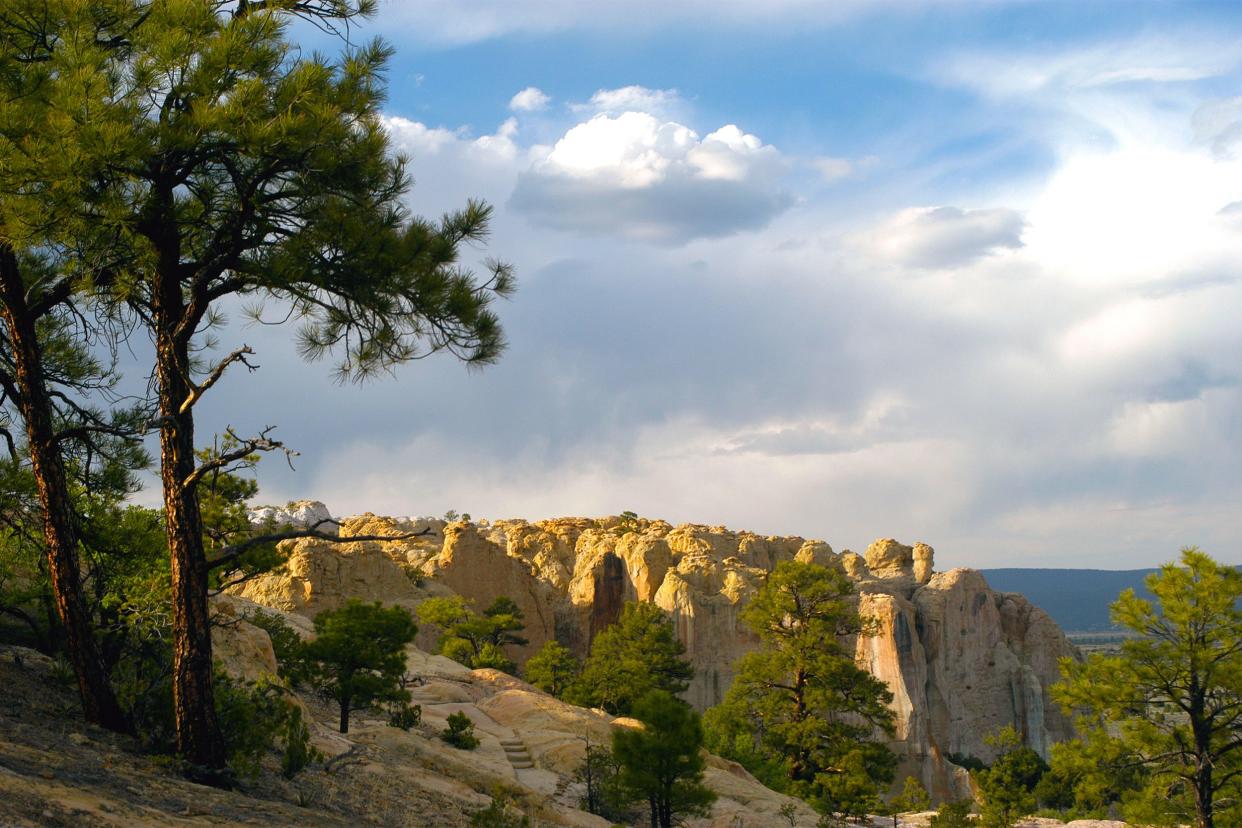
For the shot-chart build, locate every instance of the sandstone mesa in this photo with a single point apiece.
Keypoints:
(961, 659)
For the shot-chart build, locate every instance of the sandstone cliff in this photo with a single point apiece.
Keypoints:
(961, 659)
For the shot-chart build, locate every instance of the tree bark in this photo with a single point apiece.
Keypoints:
(345, 715)
(60, 529)
(199, 740)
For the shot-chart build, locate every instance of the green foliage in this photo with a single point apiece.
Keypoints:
(193, 150)
(405, 716)
(801, 715)
(477, 641)
(965, 760)
(1008, 786)
(850, 789)
(255, 716)
(636, 655)
(1089, 776)
(553, 669)
(628, 522)
(286, 645)
(501, 812)
(460, 732)
(358, 655)
(298, 752)
(604, 794)
(953, 815)
(913, 797)
(1168, 702)
(663, 762)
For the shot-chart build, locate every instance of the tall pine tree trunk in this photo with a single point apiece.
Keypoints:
(60, 530)
(199, 740)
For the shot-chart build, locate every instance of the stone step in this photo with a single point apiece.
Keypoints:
(523, 765)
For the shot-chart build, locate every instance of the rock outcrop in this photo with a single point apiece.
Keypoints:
(961, 660)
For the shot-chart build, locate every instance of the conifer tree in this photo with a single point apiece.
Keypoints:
(48, 253)
(202, 157)
(553, 669)
(638, 653)
(358, 655)
(801, 714)
(663, 762)
(1170, 702)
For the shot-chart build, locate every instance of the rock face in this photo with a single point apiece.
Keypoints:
(301, 514)
(961, 660)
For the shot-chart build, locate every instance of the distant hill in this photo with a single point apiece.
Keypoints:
(1077, 599)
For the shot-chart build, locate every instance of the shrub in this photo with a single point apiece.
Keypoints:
(298, 752)
(251, 715)
(953, 815)
(460, 732)
(500, 813)
(405, 716)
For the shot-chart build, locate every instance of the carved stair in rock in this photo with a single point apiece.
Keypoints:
(517, 754)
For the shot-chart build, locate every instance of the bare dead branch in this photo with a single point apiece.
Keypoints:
(197, 391)
(244, 449)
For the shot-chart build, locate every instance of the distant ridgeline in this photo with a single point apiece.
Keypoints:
(1077, 599)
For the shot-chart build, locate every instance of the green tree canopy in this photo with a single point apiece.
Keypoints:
(801, 715)
(630, 658)
(553, 669)
(1171, 700)
(1008, 785)
(663, 762)
(913, 798)
(358, 655)
(475, 640)
(176, 156)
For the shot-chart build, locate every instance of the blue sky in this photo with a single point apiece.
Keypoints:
(958, 272)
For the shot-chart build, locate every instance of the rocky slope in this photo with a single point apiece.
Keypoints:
(55, 770)
(961, 659)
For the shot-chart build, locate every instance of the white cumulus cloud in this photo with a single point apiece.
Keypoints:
(530, 99)
(637, 176)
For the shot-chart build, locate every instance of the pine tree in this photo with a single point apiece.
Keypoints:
(630, 658)
(801, 715)
(1008, 785)
(1170, 702)
(475, 640)
(663, 762)
(553, 669)
(195, 155)
(358, 655)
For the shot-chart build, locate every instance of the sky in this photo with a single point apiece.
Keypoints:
(964, 273)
